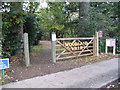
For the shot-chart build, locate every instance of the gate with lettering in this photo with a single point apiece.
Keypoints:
(66, 48)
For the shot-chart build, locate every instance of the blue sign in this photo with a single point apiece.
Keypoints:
(4, 63)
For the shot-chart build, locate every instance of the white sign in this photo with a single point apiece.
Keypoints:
(111, 43)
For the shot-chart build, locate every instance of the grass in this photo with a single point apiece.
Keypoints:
(36, 49)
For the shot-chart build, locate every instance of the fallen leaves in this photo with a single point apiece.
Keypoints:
(13, 71)
(16, 60)
(6, 77)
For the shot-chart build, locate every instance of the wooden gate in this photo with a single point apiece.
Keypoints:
(66, 48)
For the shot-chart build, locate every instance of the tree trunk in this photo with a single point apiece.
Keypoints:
(83, 10)
(83, 17)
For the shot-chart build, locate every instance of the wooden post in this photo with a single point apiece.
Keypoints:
(106, 49)
(53, 47)
(114, 47)
(94, 45)
(97, 44)
(26, 50)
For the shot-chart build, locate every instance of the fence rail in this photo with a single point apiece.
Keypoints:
(83, 38)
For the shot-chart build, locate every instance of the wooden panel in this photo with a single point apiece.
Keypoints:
(67, 53)
(74, 47)
(66, 57)
(68, 49)
(86, 54)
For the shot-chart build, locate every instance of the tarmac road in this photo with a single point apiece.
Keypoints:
(89, 76)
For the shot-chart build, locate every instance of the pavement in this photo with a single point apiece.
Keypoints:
(89, 76)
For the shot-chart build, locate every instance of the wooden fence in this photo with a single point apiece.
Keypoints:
(66, 48)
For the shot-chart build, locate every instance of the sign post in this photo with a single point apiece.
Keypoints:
(100, 35)
(4, 63)
(111, 43)
(97, 43)
(3, 73)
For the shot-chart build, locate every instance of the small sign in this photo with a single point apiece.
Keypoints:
(100, 34)
(110, 42)
(4, 63)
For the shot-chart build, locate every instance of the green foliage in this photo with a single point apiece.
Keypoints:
(58, 17)
(103, 15)
(12, 22)
(31, 26)
(104, 18)
(53, 18)
(48, 19)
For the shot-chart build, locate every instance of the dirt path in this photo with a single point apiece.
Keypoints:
(44, 55)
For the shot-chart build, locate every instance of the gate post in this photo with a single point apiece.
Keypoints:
(53, 47)
(26, 50)
(96, 45)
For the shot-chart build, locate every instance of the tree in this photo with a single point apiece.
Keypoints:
(17, 6)
(53, 18)
(31, 24)
(84, 19)
(12, 30)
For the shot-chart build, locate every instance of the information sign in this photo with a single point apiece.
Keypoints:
(111, 43)
(4, 63)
